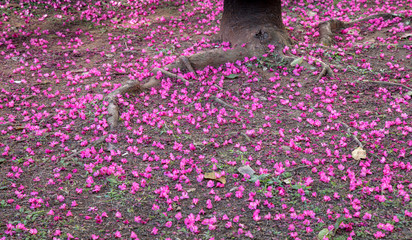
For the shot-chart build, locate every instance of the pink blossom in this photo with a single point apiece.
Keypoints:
(367, 216)
(117, 234)
(379, 234)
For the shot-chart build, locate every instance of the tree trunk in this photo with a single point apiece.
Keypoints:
(255, 23)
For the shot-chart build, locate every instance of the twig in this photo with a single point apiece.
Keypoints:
(326, 69)
(97, 142)
(246, 136)
(295, 169)
(218, 100)
(390, 84)
(353, 136)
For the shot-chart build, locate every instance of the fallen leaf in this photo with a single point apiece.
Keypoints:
(287, 180)
(261, 177)
(353, 31)
(231, 76)
(246, 170)
(359, 154)
(19, 127)
(338, 222)
(212, 176)
(324, 233)
(191, 190)
(311, 14)
(296, 61)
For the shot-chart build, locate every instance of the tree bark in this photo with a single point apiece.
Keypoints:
(255, 23)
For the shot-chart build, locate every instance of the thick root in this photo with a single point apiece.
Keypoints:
(215, 57)
(113, 109)
(326, 29)
(187, 64)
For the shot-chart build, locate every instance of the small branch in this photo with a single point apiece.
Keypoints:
(246, 136)
(353, 136)
(390, 84)
(218, 100)
(298, 168)
(97, 142)
(169, 74)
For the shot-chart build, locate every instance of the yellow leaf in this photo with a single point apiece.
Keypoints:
(212, 176)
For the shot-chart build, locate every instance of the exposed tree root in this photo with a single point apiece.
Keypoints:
(326, 70)
(169, 74)
(133, 86)
(215, 57)
(327, 28)
(390, 84)
(113, 109)
(348, 131)
(187, 64)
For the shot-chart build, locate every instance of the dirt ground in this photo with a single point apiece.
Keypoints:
(170, 170)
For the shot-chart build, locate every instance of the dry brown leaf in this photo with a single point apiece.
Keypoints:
(406, 36)
(212, 176)
(359, 154)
